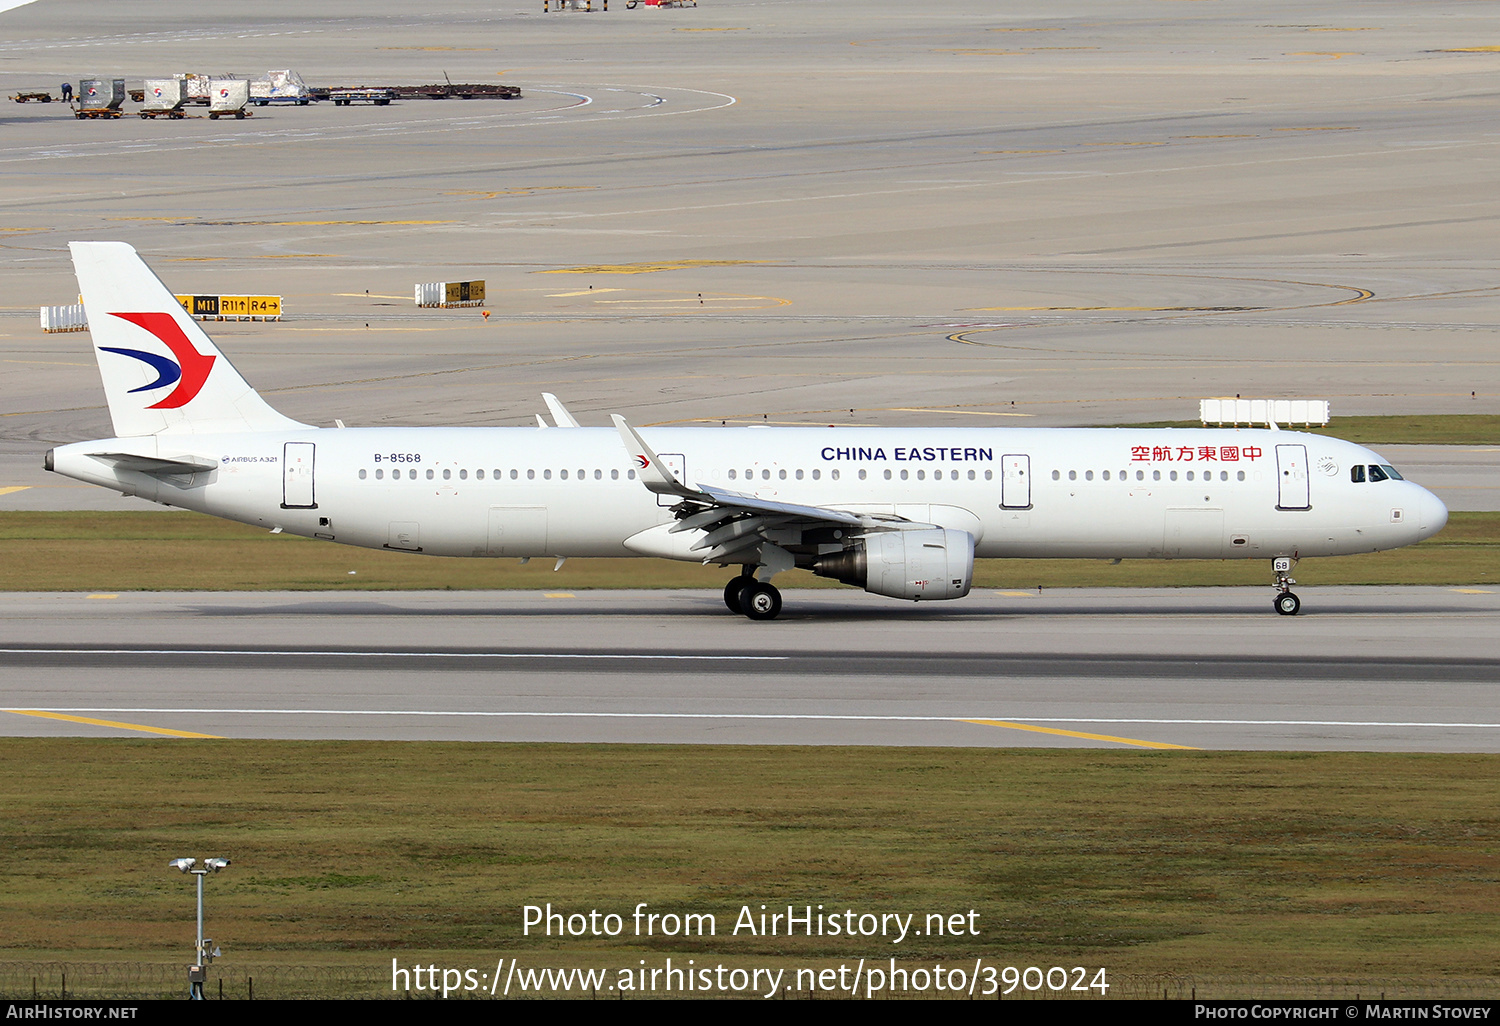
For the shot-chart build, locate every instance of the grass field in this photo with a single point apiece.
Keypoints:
(192, 552)
(1437, 429)
(1376, 869)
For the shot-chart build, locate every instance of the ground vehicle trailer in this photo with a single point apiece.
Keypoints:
(342, 96)
(280, 87)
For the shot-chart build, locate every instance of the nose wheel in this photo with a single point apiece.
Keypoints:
(1286, 602)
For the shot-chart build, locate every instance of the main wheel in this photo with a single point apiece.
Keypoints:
(1287, 604)
(760, 601)
(732, 592)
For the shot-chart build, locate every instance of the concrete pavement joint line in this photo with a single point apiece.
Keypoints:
(870, 718)
(47, 715)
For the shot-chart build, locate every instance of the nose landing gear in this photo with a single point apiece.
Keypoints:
(1286, 602)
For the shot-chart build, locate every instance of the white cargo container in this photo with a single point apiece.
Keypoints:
(227, 98)
(100, 98)
(163, 94)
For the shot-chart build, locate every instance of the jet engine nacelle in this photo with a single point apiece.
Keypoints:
(935, 564)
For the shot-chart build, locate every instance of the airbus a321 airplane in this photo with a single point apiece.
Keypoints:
(901, 512)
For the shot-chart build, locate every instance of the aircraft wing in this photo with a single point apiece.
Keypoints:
(732, 523)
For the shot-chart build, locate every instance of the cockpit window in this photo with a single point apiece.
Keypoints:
(1357, 473)
(1392, 472)
(1376, 474)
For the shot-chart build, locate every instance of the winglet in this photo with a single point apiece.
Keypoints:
(655, 474)
(560, 414)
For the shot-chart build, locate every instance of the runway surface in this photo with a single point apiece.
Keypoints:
(1378, 669)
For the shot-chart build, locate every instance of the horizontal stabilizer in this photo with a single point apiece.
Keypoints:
(156, 464)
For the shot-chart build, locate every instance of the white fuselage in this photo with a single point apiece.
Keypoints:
(1104, 493)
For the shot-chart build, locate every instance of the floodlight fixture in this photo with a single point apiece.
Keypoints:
(206, 952)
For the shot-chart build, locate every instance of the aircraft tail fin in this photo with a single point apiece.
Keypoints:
(161, 372)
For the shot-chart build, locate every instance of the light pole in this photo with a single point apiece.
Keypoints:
(204, 956)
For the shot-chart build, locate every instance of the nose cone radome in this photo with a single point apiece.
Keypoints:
(1432, 515)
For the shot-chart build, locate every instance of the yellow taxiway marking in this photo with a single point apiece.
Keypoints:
(558, 594)
(966, 413)
(648, 268)
(727, 28)
(1474, 591)
(9, 489)
(1472, 49)
(1323, 53)
(460, 49)
(584, 292)
(1321, 128)
(110, 723)
(1018, 152)
(1080, 734)
(296, 256)
(102, 596)
(690, 299)
(269, 224)
(1016, 594)
(520, 190)
(1359, 28)
(1032, 309)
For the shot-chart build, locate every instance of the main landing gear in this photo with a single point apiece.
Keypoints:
(1286, 602)
(758, 600)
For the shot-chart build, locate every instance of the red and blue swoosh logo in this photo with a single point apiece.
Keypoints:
(188, 372)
